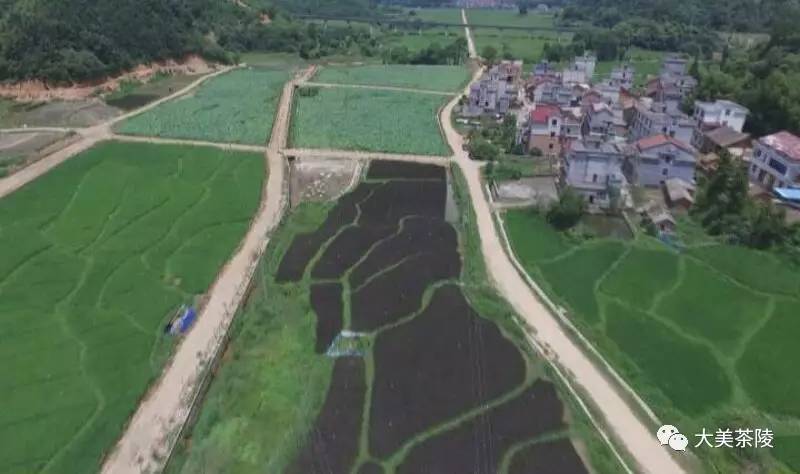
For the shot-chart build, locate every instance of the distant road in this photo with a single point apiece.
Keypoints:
(419, 23)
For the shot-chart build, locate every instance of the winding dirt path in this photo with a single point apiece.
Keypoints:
(153, 429)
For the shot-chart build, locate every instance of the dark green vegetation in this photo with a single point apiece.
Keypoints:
(705, 336)
(97, 256)
(132, 94)
(394, 397)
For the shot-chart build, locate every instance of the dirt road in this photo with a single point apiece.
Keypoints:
(178, 141)
(151, 432)
(362, 155)
(619, 417)
(473, 53)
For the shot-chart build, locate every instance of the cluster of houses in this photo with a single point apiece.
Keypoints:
(607, 136)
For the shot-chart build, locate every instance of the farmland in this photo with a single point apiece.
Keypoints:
(436, 78)
(527, 46)
(724, 314)
(510, 18)
(443, 15)
(382, 398)
(97, 256)
(237, 107)
(368, 120)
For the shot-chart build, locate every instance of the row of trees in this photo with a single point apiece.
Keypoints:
(453, 53)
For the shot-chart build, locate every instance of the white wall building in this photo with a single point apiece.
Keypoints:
(720, 113)
(776, 161)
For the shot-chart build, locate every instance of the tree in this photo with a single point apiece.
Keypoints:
(722, 198)
(522, 5)
(567, 211)
(489, 54)
(483, 150)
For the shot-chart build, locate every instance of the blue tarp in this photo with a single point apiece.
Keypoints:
(186, 320)
(789, 194)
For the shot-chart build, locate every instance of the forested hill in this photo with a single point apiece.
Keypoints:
(65, 41)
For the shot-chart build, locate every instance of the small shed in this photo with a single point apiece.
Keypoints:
(679, 193)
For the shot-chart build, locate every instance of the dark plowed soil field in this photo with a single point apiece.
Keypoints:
(551, 456)
(400, 170)
(370, 468)
(305, 246)
(398, 292)
(421, 382)
(347, 248)
(332, 446)
(431, 365)
(326, 300)
(478, 446)
(418, 235)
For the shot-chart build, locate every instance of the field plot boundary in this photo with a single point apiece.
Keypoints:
(560, 312)
(333, 85)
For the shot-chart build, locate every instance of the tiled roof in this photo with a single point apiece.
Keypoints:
(658, 140)
(726, 136)
(543, 112)
(785, 143)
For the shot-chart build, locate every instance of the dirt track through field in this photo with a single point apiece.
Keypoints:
(151, 432)
(363, 155)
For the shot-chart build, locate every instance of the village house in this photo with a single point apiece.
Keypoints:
(673, 85)
(543, 130)
(622, 76)
(721, 138)
(593, 168)
(776, 161)
(604, 121)
(720, 113)
(655, 159)
(679, 193)
(496, 92)
(659, 119)
(581, 70)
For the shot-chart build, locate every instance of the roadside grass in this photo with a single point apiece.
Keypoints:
(513, 167)
(435, 78)
(533, 239)
(237, 107)
(270, 384)
(85, 297)
(697, 334)
(369, 120)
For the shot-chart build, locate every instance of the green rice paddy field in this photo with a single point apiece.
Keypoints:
(510, 17)
(369, 120)
(95, 258)
(237, 107)
(444, 15)
(436, 78)
(708, 336)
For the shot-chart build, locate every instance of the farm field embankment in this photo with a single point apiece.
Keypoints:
(237, 107)
(705, 335)
(368, 120)
(97, 256)
(331, 367)
(434, 78)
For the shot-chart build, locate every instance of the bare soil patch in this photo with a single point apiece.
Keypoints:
(314, 179)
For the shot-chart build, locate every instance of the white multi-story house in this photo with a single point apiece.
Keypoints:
(496, 92)
(660, 119)
(776, 161)
(581, 70)
(720, 113)
(654, 160)
(593, 168)
(603, 120)
(622, 76)
(673, 85)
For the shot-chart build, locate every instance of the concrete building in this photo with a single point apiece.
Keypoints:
(658, 118)
(720, 138)
(581, 70)
(593, 168)
(776, 161)
(496, 92)
(654, 160)
(543, 130)
(720, 113)
(604, 121)
(622, 76)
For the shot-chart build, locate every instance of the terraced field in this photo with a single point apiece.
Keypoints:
(371, 346)
(369, 120)
(706, 336)
(435, 78)
(95, 258)
(237, 107)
